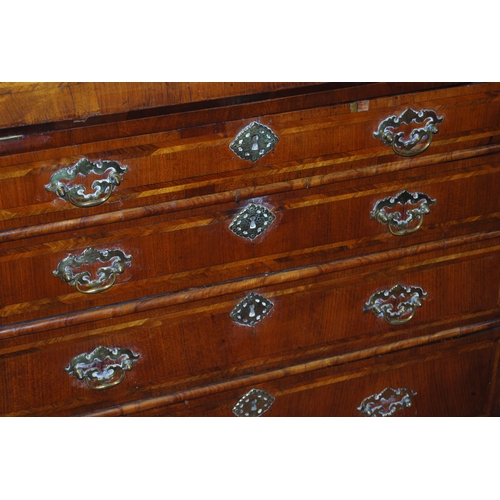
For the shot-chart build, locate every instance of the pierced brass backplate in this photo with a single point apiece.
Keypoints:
(254, 142)
(76, 194)
(397, 305)
(253, 404)
(103, 367)
(412, 219)
(106, 275)
(252, 309)
(387, 402)
(252, 221)
(420, 138)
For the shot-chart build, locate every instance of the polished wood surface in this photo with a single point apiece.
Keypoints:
(319, 352)
(322, 220)
(204, 341)
(331, 388)
(28, 103)
(51, 102)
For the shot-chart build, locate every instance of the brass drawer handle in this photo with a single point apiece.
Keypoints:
(386, 131)
(254, 142)
(406, 221)
(252, 221)
(106, 275)
(387, 402)
(76, 194)
(253, 404)
(103, 367)
(397, 305)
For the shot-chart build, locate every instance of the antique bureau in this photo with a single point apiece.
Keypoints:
(275, 249)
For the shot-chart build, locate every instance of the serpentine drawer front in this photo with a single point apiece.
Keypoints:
(267, 249)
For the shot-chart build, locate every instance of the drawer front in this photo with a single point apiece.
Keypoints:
(442, 381)
(299, 231)
(181, 163)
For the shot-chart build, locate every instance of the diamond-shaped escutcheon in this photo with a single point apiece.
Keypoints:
(252, 221)
(252, 309)
(253, 404)
(254, 142)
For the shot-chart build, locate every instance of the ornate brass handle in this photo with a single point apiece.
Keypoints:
(253, 404)
(387, 402)
(397, 305)
(412, 219)
(103, 367)
(76, 194)
(106, 275)
(386, 131)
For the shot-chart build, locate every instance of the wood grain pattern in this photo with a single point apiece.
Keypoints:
(218, 400)
(112, 102)
(27, 103)
(196, 343)
(317, 352)
(265, 278)
(310, 228)
(25, 221)
(173, 156)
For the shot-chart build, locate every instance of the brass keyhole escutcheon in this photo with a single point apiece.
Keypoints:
(254, 142)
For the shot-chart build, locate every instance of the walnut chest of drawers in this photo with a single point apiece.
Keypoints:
(250, 249)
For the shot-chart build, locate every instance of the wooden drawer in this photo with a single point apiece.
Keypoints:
(170, 254)
(443, 380)
(197, 161)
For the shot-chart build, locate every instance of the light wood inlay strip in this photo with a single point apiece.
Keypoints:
(394, 187)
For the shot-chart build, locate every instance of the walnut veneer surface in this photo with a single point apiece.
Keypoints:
(152, 328)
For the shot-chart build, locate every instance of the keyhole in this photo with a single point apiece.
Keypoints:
(252, 311)
(254, 405)
(253, 225)
(255, 143)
